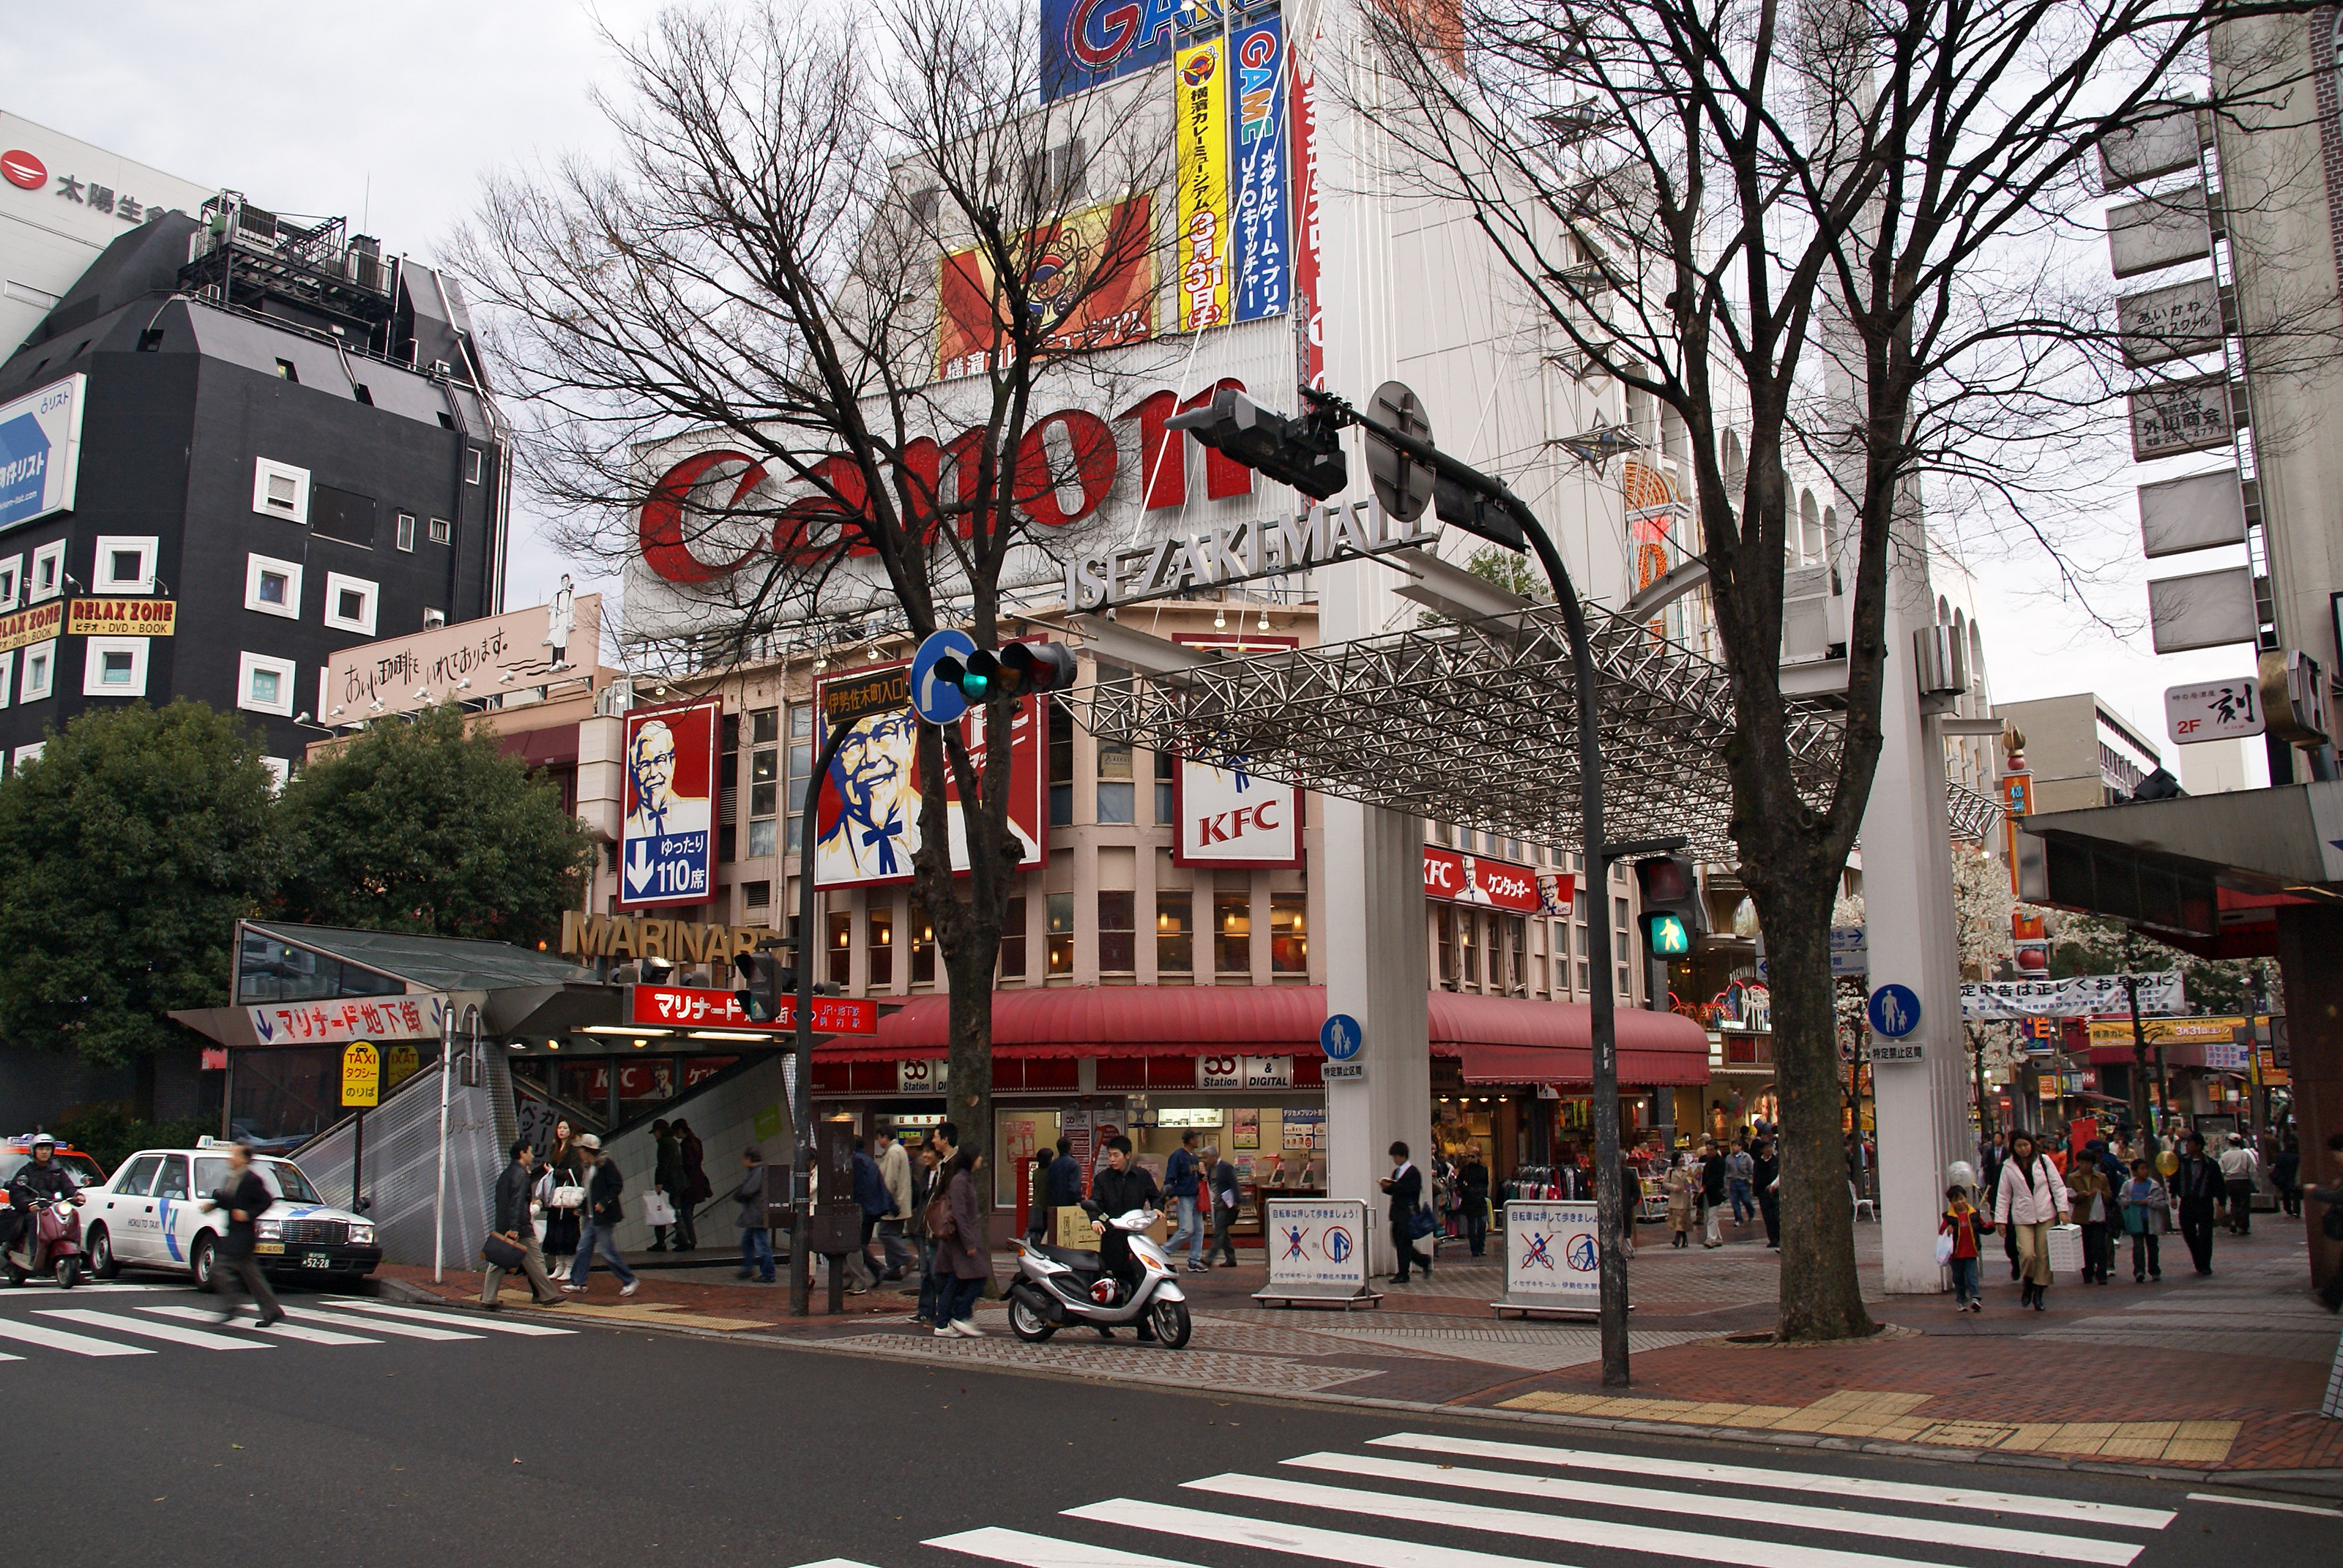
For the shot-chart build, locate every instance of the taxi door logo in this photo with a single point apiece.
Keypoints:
(665, 843)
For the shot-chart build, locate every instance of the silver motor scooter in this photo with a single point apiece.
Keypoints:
(1058, 1287)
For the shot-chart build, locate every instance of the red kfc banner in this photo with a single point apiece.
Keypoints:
(653, 1077)
(667, 838)
(1457, 878)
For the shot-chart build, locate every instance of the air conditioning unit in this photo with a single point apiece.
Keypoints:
(1814, 619)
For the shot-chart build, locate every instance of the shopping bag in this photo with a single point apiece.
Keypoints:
(2065, 1248)
(1944, 1252)
(657, 1210)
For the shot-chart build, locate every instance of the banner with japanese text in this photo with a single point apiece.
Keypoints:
(1200, 99)
(1257, 99)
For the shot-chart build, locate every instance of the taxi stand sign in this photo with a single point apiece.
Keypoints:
(1317, 1252)
(1551, 1259)
(361, 1075)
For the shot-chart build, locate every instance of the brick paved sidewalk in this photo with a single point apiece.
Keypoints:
(2218, 1374)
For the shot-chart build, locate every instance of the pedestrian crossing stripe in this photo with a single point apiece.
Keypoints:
(2073, 1509)
(283, 1331)
(375, 1326)
(172, 1333)
(59, 1339)
(1300, 1540)
(1793, 1515)
(1027, 1551)
(304, 1325)
(425, 1315)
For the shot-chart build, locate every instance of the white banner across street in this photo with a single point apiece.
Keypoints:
(2077, 996)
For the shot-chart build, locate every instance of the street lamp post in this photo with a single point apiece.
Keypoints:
(801, 1084)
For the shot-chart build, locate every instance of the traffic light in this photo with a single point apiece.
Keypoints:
(1305, 453)
(1672, 915)
(761, 982)
(1015, 670)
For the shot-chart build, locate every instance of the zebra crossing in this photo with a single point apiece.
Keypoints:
(135, 1327)
(1419, 1500)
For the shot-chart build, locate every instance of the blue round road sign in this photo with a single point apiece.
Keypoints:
(1340, 1036)
(1894, 1010)
(932, 699)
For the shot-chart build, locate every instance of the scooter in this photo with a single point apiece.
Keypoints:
(1058, 1287)
(48, 1240)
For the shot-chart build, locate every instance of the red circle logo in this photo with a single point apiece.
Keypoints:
(24, 170)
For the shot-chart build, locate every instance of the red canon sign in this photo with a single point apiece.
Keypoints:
(1461, 878)
(1071, 450)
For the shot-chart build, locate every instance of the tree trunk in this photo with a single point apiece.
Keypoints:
(969, 1094)
(1821, 1296)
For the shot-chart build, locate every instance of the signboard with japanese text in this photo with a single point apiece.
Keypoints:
(667, 838)
(1455, 876)
(1317, 1247)
(1257, 108)
(867, 812)
(652, 1078)
(2182, 416)
(340, 1021)
(1308, 258)
(2077, 996)
(1200, 243)
(2175, 322)
(40, 450)
(2213, 710)
(503, 655)
(1550, 1258)
(1230, 819)
(2105, 1032)
(699, 1007)
(361, 1075)
(1091, 273)
(122, 617)
(23, 628)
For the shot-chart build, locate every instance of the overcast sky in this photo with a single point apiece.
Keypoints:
(392, 115)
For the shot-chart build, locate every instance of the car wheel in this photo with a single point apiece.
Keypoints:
(103, 1263)
(200, 1265)
(1170, 1321)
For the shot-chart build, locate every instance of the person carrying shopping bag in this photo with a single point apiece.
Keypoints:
(2033, 1199)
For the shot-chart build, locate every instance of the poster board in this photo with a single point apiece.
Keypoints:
(1317, 1252)
(1551, 1259)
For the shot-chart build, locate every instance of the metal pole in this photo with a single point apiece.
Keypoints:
(801, 1088)
(439, 1197)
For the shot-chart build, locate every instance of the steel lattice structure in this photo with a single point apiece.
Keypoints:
(1971, 814)
(1473, 721)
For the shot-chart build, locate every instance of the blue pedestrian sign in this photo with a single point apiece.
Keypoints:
(936, 701)
(1894, 1012)
(1340, 1036)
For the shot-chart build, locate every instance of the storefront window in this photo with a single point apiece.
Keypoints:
(1175, 938)
(923, 946)
(1166, 767)
(842, 948)
(1468, 956)
(1443, 922)
(1061, 765)
(1117, 932)
(879, 928)
(1114, 785)
(1288, 936)
(1060, 910)
(1012, 940)
(1232, 929)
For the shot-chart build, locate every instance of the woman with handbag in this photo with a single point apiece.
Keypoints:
(564, 1188)
(963, 1250)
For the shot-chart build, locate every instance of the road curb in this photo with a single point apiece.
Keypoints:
(2325, 1483)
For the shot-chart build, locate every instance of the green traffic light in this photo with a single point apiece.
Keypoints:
(1665, 936)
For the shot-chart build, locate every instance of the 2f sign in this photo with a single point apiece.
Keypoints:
(2215, 710)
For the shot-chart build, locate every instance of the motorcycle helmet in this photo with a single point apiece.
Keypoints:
(43, 1143)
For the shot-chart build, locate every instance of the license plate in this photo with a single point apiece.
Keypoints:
(314, 1262)
(268, 1247)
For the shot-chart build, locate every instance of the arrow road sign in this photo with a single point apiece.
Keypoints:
(936, 701)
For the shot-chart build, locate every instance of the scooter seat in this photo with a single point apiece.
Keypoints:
(1084, 1262)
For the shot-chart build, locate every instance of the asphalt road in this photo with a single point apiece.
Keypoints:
(364, 1444)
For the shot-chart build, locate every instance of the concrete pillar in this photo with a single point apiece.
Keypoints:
(1376, 972)
(1907, 880)
(2308, 938)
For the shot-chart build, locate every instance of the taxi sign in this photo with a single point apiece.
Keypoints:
(361, 1075)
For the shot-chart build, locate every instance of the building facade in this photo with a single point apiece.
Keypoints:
(2083, 752)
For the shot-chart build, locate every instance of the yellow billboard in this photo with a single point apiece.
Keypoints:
(1201, 124)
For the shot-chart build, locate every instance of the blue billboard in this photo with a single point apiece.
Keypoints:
(1257, 120)
(1088, 43)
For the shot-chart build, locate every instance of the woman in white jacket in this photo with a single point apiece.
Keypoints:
(2032, 1198)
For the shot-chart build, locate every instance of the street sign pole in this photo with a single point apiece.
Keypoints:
(440, 1196)
(801, 1079)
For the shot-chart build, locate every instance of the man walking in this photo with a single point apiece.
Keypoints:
(696, 1189)
(895, 1175)
(1181, 1185)
(756, 1236)
(1764, 1173)
(606, 1205)
(2197, 1188)
(870, 1197)
(246, 1198)
(513, 1223)
(667, 1177)
(2237, 1167)
(1221, 1195)
(1064, 1183)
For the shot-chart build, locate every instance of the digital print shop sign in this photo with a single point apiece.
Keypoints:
(40, 451)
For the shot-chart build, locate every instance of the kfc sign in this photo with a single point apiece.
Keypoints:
(1461, 878)
(1067, 465)
(1230, 819)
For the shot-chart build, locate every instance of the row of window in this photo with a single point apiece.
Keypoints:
(273, 587)
(116, 667)
(46, 580)
(282, 490)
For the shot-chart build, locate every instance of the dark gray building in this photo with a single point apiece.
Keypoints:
(269, 422)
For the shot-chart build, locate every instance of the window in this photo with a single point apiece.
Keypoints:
(756, 896)
(12, 578)
(343, 515)
(728, 789)
(1115, 786)
(1518, 940)
(135, 1181)
(433, 620)
(842, 950)
(1061, 765)
(24, 754)
(272, 586)
(403, 531)
(1166, 773)
(801, 764)
(174, 1183)
(264, 685)
(1585, 986)
(1117, 932)
(285, 371)
(1468, 949)
(1444, 926)
(1175, 932)
(1012, 940)
(349, 603)
(1561, 958)
(114, 666)
(765, 763)
(7, 677)
(471, 465)
(124, 565)
(40, 674)
(1232, 927)
(1620, 948)
(281, 490)
(49, 572)
(279, 770)
(1289, 935)
(923, 946)
(439, 530)
(1060, 907)
(879, 929)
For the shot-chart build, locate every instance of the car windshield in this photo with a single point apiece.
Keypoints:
(281, 1177)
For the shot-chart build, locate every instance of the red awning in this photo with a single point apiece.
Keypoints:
(541, 748)
(1503, 1040)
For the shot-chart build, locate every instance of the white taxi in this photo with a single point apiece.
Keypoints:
(151, 1215)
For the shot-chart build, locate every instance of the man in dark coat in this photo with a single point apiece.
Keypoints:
(2197, 1189)
(1405, 1185)
(513, 1224)
(246, 1198)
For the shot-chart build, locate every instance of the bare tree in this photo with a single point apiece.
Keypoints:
(780, 359)
(1834, 229)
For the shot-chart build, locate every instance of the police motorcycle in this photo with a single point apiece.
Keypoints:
(1060, 1287)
